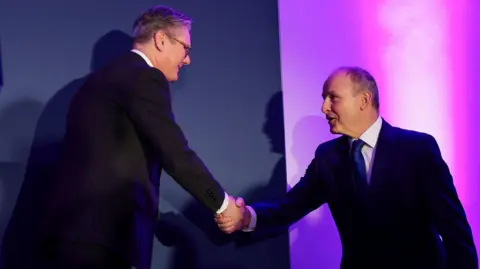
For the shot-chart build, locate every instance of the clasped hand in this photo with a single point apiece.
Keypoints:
(236, 217)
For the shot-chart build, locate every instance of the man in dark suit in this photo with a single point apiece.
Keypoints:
(389, 190)
(120, 134)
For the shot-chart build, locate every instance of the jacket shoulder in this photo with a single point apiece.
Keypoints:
(411, 135)
(330, 145)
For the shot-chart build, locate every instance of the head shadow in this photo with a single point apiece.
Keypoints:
(51, 125)
(309, 132)
(274, 130)
(22, 230)
(175, 230)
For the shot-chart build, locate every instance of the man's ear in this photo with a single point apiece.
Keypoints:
(159, 40)
(366, 99)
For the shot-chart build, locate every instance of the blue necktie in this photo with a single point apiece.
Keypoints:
(359, 169)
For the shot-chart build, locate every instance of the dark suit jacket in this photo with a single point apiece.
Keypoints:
(120, 134)
(410, 201)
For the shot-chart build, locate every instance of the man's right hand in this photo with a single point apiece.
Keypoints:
(236, 217)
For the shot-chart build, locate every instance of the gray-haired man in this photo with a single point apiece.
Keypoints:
(120, 134)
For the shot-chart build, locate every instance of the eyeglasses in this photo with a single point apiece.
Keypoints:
(185, 45)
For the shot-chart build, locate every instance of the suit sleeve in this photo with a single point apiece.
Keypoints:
(307, 195)
(149, 107)
(448, 213)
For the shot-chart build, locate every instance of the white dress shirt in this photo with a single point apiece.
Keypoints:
(225, 200)
(370, 137)
(143, 56)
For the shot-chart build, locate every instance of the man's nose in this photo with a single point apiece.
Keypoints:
(325, 107)
(186, 61)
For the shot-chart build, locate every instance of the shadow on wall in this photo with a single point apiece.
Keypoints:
(179, 230)
(274, 129)
(308, 134)
(22, 230)
(17, 125)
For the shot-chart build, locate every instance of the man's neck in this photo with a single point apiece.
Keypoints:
(365, 124)
(147, 52)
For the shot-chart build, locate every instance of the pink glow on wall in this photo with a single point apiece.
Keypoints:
(458, 83)
(464, 83)
(418, 50)
(423, 54)
(415, 66)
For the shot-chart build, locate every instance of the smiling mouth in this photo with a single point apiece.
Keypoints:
(330, 120)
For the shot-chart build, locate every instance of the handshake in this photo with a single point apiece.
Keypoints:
(235, 218)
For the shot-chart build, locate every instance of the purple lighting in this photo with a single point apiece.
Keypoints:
(423, 54)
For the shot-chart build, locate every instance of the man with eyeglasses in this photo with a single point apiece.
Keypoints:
(120, 134)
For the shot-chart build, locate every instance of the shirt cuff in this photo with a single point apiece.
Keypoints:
(224, 205)
(253, 220)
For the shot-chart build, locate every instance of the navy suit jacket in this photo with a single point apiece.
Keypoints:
(409, 217)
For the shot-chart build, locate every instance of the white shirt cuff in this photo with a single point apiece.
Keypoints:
(224, 205)
(253, 220)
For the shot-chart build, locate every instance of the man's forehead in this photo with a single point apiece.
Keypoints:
(337, 82)
(340, 77)
(184, 35)
(180, 33)
(187, 38)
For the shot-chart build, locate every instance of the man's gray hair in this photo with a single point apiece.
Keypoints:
(158, 18)
(361, 78)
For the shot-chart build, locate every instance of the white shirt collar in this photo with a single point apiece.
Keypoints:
(143, 56)
(370, 136)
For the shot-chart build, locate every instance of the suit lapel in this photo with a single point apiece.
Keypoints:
(343, 172)
(340, 159)
(383, 154)
(382, 162)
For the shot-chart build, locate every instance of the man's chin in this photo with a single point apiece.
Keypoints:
(172, 79)
(334, 130)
